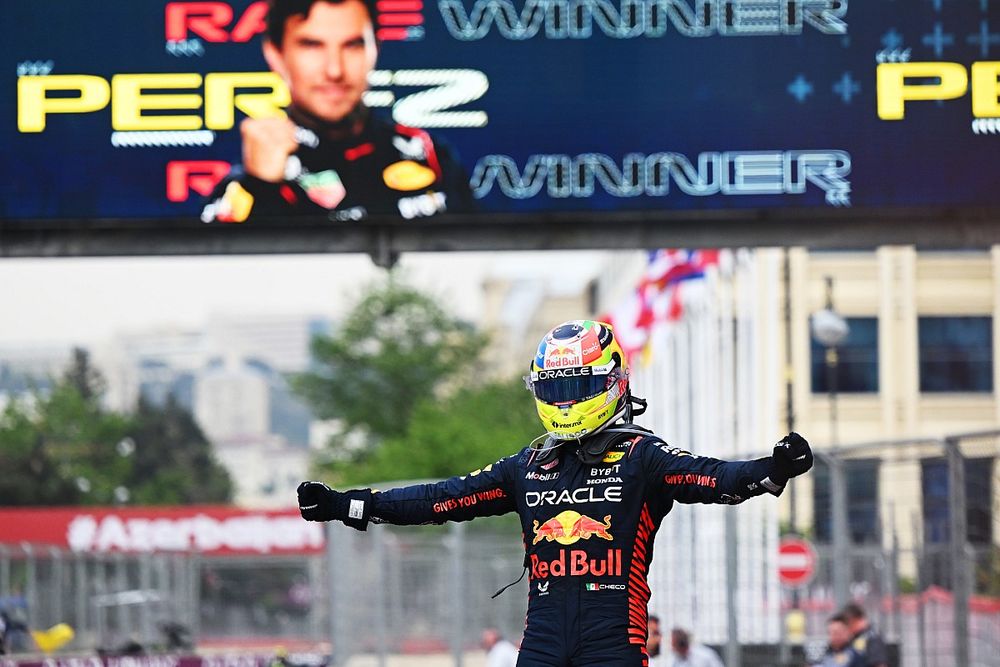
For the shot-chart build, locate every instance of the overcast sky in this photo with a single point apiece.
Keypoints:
(83, 301)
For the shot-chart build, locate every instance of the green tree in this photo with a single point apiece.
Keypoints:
(83, 377)
(173, 461)
(396, 348)
(29, 475)
(62, 445)
(470, 429)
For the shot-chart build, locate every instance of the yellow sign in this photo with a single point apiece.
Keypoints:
(217, 95)
(899, 83)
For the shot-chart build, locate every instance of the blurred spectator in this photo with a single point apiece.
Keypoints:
(280, 658)
(685, 653)
(14, 637)
(177, 635)
(499, 651)
(864, 638)
(839, 652)
(653, 639)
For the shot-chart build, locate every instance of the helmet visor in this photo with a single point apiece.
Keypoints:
(572, 385)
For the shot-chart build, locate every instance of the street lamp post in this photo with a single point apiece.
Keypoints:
(830, 330)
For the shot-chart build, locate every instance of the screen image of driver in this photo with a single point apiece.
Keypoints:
(332, 155)
(590, 494)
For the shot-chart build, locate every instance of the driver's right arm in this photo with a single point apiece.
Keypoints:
(485, 492)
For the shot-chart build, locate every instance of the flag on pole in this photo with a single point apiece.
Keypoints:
(657, 297)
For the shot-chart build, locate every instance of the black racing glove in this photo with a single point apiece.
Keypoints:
(318, 502)
(791, 457)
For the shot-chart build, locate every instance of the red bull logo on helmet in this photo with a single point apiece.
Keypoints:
(570, 526)
(559, 357)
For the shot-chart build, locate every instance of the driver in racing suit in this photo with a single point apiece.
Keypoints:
(590, 497)
(328, 153)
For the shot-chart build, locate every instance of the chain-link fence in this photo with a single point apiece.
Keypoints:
(107, 599)
(905, 528)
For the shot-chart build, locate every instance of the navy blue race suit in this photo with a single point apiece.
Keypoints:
(385, 169)
(588, 532)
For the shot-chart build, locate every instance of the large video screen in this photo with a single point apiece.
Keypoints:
(134, 110)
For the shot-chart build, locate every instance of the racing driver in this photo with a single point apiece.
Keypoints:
(590, 494)
(331, 155)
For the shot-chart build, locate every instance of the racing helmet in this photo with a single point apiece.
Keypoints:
(579, 378)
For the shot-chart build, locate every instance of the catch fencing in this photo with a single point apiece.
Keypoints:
(906, 528)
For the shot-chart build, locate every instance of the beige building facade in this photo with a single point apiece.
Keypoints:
(907, 293)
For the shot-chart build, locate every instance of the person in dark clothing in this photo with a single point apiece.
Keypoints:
(839, 652)
(864, 638)
(331, 155)
(591, 493)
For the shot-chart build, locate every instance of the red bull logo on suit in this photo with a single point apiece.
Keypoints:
(577, 563)
(570, 526)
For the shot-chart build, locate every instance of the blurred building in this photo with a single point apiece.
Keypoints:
(918, 362)
(25, 368)
(232, 401)
(917, 365)
(521, 303)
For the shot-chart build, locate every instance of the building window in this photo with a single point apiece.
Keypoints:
(978, 496)
(861, 476)
(956, 354)
(857, 359)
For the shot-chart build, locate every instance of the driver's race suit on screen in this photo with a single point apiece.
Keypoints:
(386, 169)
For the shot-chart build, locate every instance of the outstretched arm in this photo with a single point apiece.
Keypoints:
(687, 478)
(485, 492)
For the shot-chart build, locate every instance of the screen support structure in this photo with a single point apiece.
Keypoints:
(385, 241)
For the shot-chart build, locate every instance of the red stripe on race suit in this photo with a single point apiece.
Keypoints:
(638, 595)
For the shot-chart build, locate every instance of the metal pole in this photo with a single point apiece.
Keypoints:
(123, 619)
(789, 393)
(342, 577)
(5, 570)
(918, 553)
(897, 612)
(194, 566)
(957, 549)
(457, 585)
(838, 482)
(733, 658)
(784, 653)
(30, 585)
(84, 623)
(101, 588)
(145, 612)
(381, 635)
(56, 595)
(337, 653)
(838, 496)
(314, 570)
